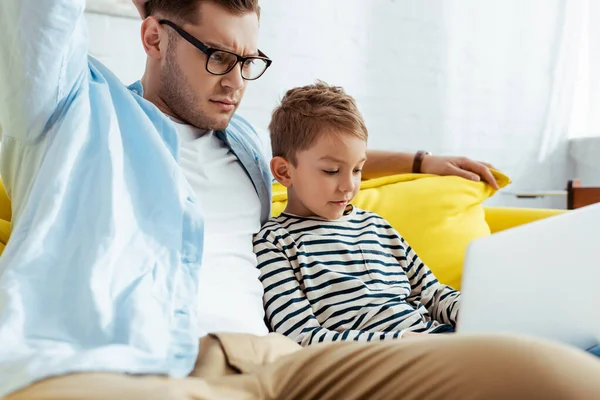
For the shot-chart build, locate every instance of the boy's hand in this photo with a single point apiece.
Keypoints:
(141, 6)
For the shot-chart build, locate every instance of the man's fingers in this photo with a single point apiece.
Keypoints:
(482, 170)
(463, 173)
(487, 164)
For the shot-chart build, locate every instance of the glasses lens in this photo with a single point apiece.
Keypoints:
(253, 68)
(220, 62)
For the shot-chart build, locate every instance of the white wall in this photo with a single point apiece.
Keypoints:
(585, 154)
(451, 77)
(116, 42)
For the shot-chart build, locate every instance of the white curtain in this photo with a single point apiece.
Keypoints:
(585, 124)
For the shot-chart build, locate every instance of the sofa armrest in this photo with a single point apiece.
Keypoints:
(502, 218)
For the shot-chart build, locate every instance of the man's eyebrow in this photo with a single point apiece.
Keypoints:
(216, 46)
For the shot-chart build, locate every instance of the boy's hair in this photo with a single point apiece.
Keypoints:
(303, 114)
(187, 10)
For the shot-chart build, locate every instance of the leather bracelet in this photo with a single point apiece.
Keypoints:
(416, 169)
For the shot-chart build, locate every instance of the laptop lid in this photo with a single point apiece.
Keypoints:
(541, 278)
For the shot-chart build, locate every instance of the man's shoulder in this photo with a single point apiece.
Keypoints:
(238, 122)
(242, 130)
(137, 88)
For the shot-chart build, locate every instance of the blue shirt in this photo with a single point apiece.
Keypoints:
(101, 270)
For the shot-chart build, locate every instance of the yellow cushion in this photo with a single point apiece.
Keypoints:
(5, 208)
(4, 233)
(5, 216)
(438, 216)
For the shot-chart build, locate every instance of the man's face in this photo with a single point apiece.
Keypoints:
(327, 176)
(196, 96)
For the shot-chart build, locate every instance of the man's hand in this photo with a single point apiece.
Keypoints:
(459, 166)
(141, 7)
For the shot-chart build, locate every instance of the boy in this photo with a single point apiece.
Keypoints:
(331, 271)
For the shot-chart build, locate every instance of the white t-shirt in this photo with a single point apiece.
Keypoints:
(230, 293)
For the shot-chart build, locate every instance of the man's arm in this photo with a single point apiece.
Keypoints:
(383, 163)
(289, 312)
(43, 54)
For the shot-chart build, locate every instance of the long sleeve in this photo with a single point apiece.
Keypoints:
(289, 312)
(440, 300)
(43, 55)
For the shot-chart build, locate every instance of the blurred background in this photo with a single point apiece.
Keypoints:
(515, 83)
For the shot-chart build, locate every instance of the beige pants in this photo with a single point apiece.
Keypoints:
(236, 367)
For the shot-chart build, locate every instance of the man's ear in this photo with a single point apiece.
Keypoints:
(154, 38)
(281, 170)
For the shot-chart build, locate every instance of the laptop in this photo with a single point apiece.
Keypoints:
(540, 279)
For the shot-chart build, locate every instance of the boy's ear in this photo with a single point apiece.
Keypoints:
(280, 168)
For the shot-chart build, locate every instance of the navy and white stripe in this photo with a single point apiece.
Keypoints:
(354, 278)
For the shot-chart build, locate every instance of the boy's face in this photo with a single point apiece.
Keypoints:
(326, 176)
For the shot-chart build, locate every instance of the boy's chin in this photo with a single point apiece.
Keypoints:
(332, 215)
(325, 212)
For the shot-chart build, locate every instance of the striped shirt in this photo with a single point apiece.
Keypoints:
(354, 278)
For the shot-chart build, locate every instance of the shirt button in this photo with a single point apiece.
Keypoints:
(190, 199)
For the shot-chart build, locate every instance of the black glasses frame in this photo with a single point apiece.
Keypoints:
(209, 51)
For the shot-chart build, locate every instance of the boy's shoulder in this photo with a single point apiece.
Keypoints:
(361, 214)
(275, 227)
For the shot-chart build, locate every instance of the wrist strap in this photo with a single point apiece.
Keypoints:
(416, 169)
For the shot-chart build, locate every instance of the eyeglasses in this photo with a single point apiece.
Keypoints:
(221, 62)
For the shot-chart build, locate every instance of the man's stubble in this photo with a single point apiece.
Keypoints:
(179, 96)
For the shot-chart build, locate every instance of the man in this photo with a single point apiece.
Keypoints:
(120, 194)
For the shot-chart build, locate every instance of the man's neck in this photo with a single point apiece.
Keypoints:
(151, 94)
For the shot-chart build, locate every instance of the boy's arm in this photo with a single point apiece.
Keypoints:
(440, 300)
(43, 54)
(289, 312)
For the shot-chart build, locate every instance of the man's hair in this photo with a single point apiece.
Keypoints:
(306, 111)
(187, 10)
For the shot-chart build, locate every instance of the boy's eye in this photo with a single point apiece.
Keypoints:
(331, 172)
(358, 171)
